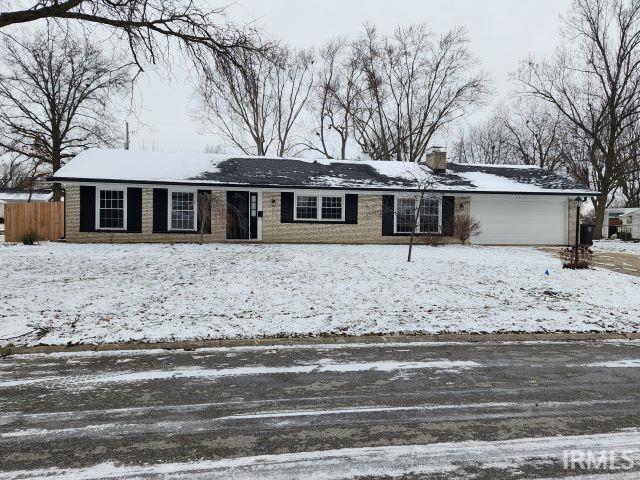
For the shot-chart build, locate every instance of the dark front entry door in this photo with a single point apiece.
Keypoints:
(238, 216)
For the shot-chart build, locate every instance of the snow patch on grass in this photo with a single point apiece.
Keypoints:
(62, 293)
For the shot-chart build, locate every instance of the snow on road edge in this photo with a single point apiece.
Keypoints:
(509, 455)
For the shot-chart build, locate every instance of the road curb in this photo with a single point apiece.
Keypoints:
(373, 339)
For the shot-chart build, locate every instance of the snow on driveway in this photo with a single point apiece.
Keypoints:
(56, 293)
(616, 246)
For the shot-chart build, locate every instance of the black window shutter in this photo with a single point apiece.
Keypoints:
(387, 214)
(448, 206)
(160, 210)
(87, 208)
(351, 208)
(286, 207)
(134, 210)
(206, 228)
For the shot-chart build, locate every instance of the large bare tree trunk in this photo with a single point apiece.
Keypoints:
(600, 206)
(55, 166)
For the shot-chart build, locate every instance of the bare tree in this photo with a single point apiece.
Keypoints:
(413, 86)
(522, 132)
(535, 133)
(237, 103)
(628, 179)
(416, 213)
(581, 157)
(14, 174)
(630, 182)
(485, 142)
(416, 210)
(333, 100)
(148, 26)
(256, 107)
(56, 99)
(594, 83)
(293, 83)
(210, 206)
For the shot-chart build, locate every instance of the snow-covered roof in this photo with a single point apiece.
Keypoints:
(620, 210)
(127, 166)
(15, 195)
(630, 213)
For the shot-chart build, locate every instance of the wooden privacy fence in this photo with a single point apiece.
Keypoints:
(46, 219)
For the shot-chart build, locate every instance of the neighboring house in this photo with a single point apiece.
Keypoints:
(630, 222)
(126, 196)
(611, 220)
(12, 195)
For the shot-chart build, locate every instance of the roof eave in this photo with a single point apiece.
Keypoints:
(583, 193)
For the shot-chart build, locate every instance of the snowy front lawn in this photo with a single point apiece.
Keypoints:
(57, 293)
(616, 246)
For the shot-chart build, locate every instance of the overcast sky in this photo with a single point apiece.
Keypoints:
(502, 32)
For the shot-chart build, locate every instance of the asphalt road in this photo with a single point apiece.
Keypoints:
(435, 411)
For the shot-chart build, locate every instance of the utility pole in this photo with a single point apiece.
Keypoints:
(126, 136)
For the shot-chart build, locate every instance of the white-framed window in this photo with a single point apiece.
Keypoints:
(183, 212)
(319, 207)
(430, 215)
(405, 214)
(306, 207)
(111, 208)
(429, 218)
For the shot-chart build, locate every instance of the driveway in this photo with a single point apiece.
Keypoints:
(405, 410)
(618, 262)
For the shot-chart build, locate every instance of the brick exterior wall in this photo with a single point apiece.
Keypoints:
(73, 233)
(367, 230)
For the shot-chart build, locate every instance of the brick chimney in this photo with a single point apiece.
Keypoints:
(436, 160)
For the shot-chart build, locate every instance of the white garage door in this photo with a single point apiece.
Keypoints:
(520, 219)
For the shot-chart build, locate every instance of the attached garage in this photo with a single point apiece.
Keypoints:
(521, 219)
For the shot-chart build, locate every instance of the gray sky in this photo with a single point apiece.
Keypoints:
(502, 32)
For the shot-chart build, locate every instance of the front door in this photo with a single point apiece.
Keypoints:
(242, 215)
